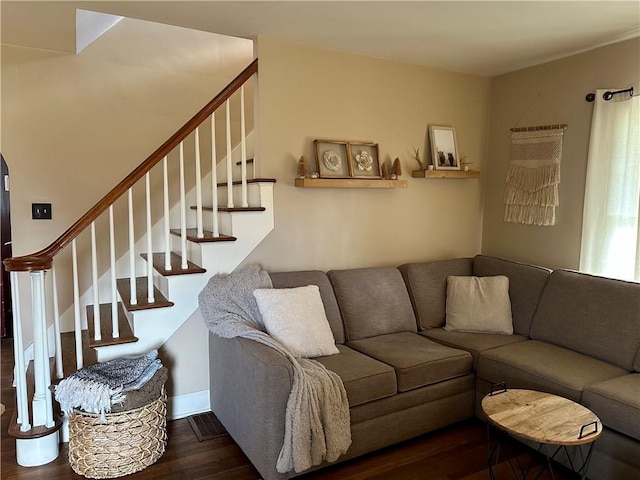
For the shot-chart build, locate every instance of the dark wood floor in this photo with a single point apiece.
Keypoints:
(454, 453)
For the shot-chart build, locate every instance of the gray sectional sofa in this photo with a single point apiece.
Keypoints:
(575, 335)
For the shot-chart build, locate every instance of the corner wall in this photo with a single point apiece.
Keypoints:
(306, 94)
(547, 94)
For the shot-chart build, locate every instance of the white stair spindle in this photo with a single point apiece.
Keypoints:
(167, 228)
(132, 254)
(56, 325)
(46, 369)
(214, 177)
(76, 307)
(183, 212)
(200, 230)
(150, 297)
(229, 160)
(97, 334)
(243, 148)
(20, 371)
(115, 328)
(40, 351)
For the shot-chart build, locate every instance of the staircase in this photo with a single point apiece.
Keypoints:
(126, 275)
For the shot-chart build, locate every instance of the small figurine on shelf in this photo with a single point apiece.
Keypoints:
(416, 156)
(303, 168)
(465, 163)
(384, 171)
(396, 169)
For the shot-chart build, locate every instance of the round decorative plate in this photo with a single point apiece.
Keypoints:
(332, 160)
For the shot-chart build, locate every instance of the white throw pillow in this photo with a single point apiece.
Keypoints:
(295, 317)
(479, 304)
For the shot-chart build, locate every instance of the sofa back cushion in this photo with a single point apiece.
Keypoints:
(373, 301)
(596, 316)
(314, 277)
(526, 283)
(427, 285)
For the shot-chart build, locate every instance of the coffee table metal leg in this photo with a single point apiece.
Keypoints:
(491, 452)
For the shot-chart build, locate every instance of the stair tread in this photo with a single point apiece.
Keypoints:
(141, 294)
(192, 235)
(176, 265)
(35, 431)
(89, 355)
(233, 209)
(126, 335)
(252, 180)
(249, 160)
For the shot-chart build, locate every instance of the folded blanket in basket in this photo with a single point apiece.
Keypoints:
(95, 388)
(146, 394)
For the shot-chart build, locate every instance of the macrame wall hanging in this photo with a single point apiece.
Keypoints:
(531, 194)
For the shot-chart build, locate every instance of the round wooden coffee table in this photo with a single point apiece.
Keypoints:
(543, 418)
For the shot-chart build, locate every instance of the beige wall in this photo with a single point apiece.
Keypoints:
(73, 126)
(556, 93)
(305, 94)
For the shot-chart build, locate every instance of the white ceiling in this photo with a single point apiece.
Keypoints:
(475, 37)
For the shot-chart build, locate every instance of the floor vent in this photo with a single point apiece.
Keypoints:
(206, 426)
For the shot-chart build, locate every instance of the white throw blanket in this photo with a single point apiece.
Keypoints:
(531, 196)
(317, 422)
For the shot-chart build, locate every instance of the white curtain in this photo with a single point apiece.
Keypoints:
(611, 227)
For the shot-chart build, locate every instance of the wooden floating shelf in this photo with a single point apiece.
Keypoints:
(349, 183)
(445, 174)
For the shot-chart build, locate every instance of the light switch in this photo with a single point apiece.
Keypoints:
(41, 211)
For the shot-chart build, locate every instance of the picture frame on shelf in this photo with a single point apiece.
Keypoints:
(364, 160)
(332, 158)
(444, 148)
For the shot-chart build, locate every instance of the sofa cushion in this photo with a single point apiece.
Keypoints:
(617, 403)
(427, 285)
(526, 283)
(474, 343)
(295, 317)
(479, 305)
(441, 391)
(597, 316)
(314, 277)
(365, 379)
(373, 301)
(417, 360)
(542, 366)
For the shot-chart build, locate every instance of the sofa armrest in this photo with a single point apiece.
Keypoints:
(249, 388)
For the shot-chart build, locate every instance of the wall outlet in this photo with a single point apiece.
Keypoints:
(41, 211)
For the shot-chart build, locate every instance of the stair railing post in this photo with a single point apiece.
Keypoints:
(167, 226)
(229, 160)
(214, 178)
(183, 212)
(76, 307)
(150, 293)
(97, 331)
(243, 149)
(133, 300)
(56, 325)
(42, 395)
(199, 226)
(20, 371)
(115, 328)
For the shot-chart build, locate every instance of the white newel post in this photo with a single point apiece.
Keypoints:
(41, 450)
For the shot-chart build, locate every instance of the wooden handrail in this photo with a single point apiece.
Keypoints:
(43, 259)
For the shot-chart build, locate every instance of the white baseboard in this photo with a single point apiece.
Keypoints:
(189, 404)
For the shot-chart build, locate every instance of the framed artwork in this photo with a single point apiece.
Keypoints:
(364, 160)
(332, 157)
(444, 148)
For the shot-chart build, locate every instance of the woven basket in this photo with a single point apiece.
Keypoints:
(126, 443)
